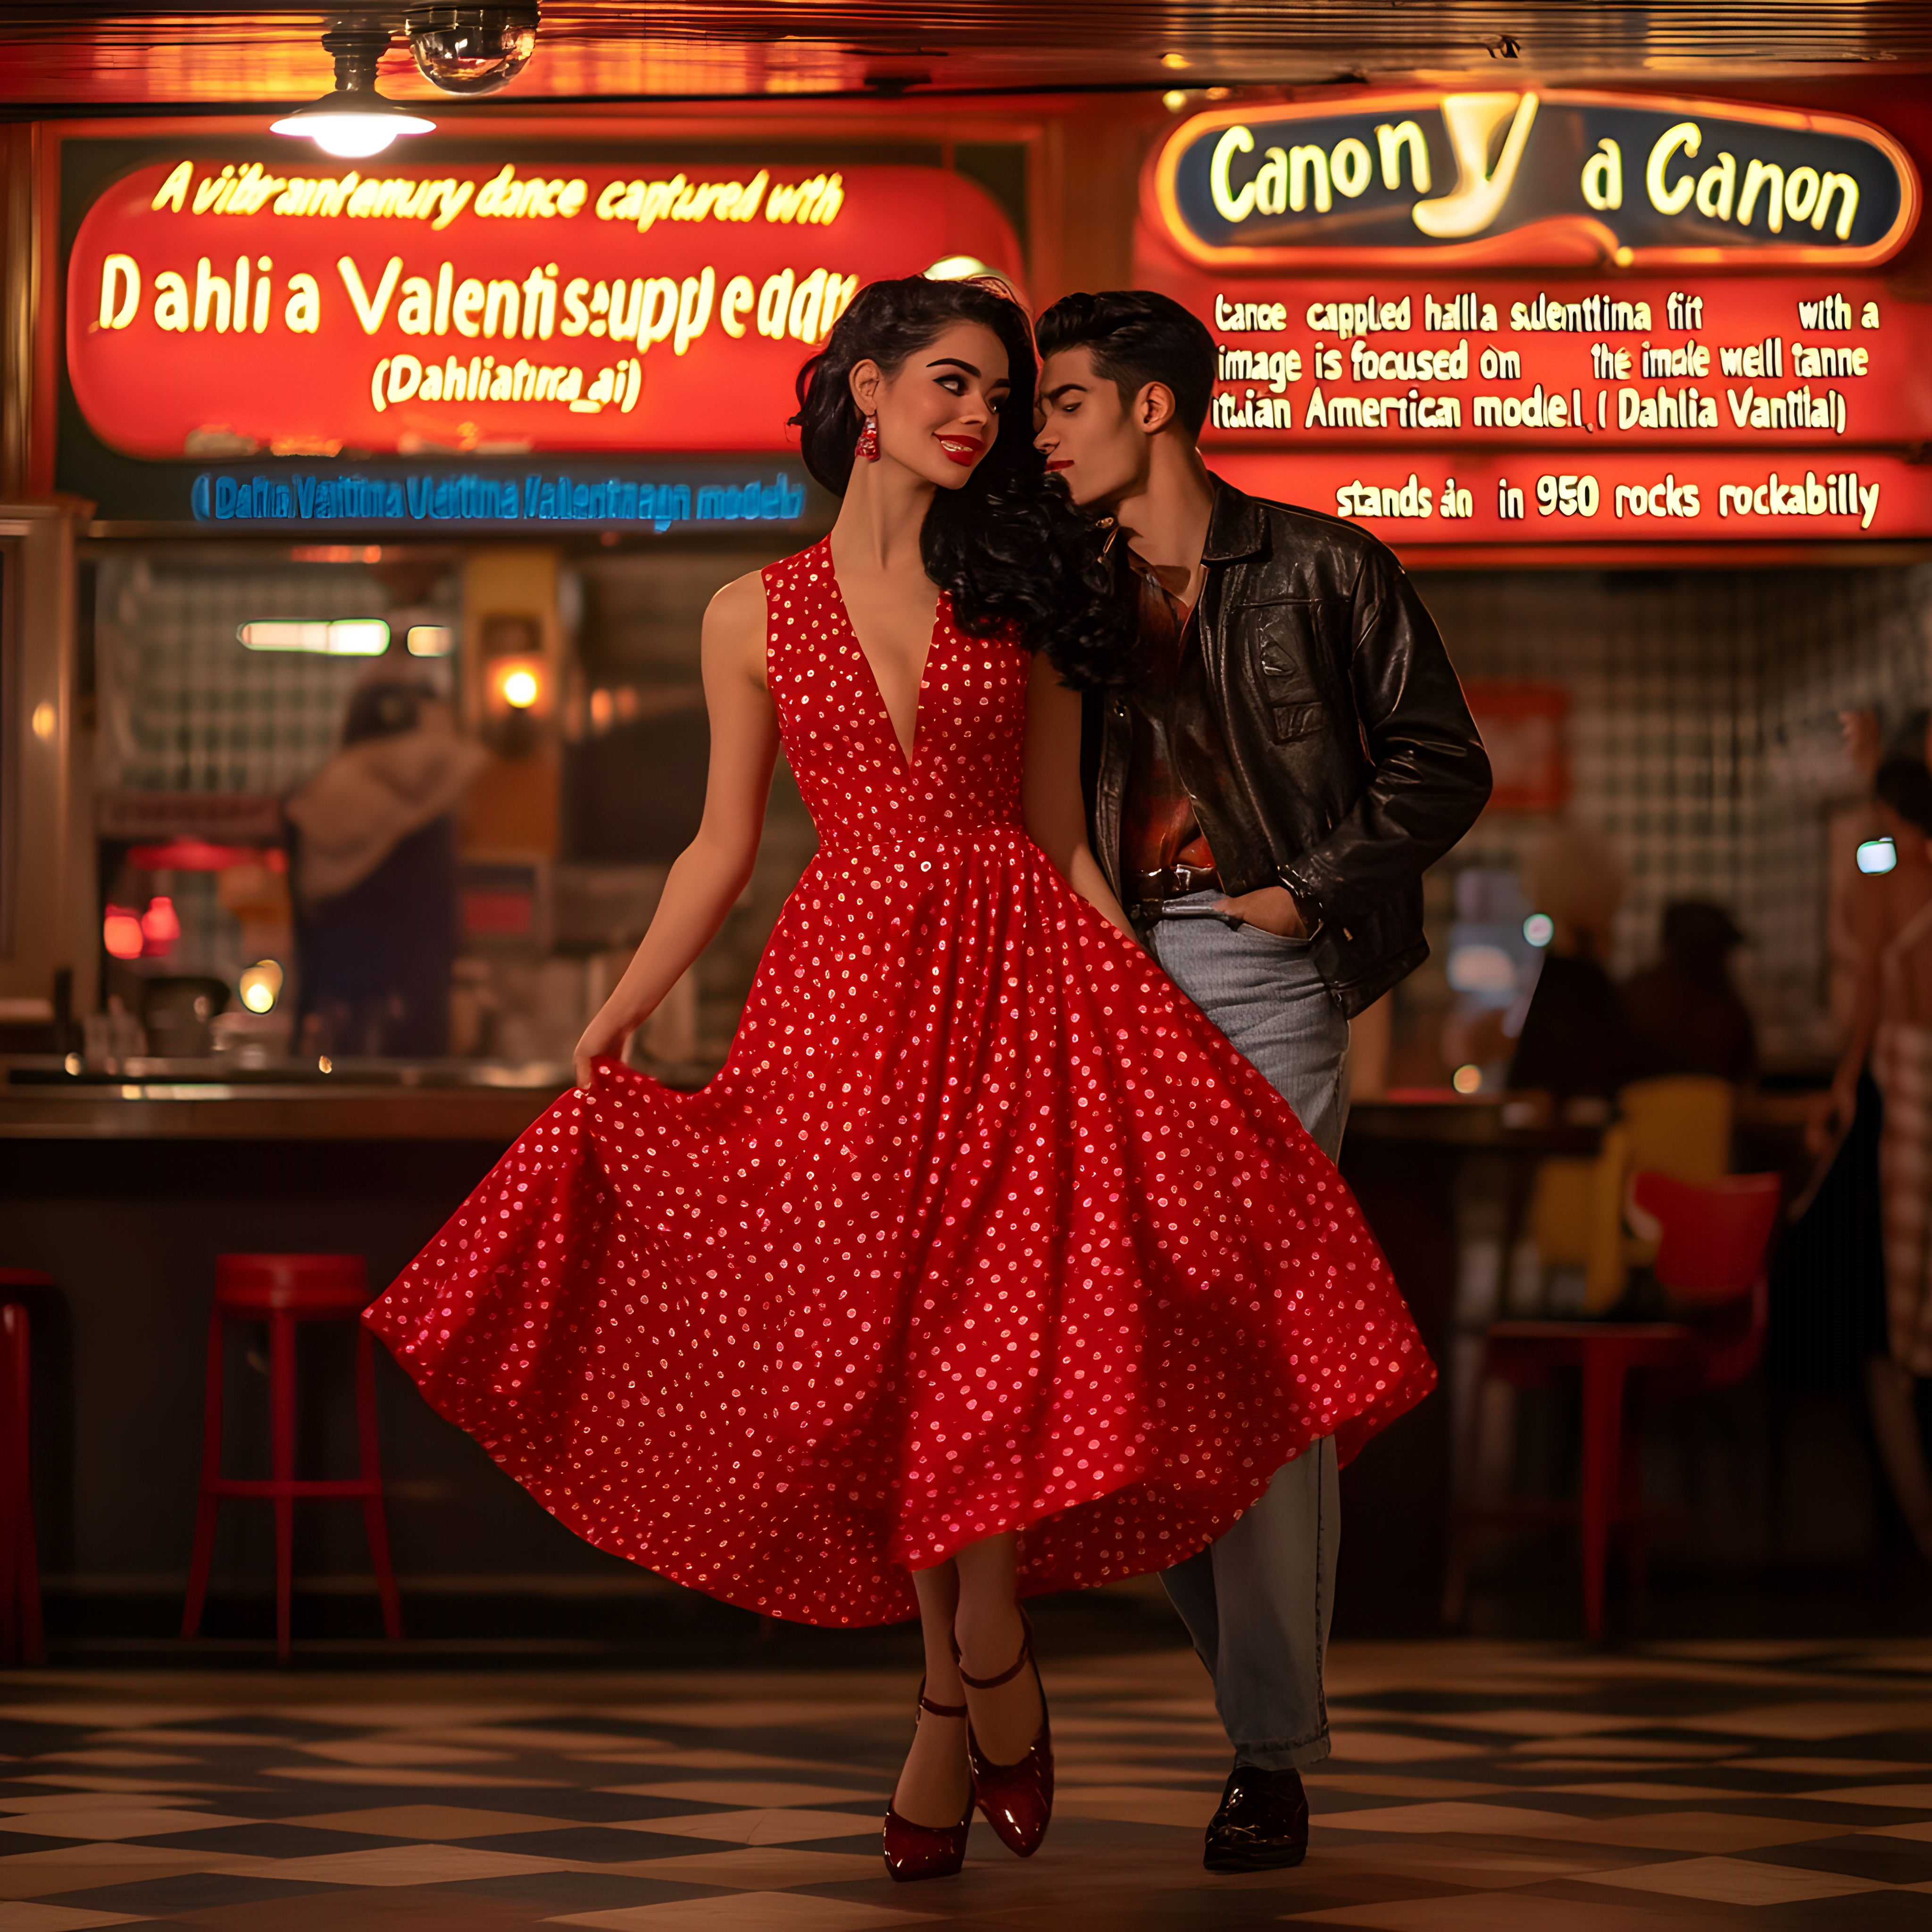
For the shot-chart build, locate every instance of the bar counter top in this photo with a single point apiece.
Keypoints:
(368, 1100)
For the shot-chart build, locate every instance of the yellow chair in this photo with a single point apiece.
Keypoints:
(1679, 1126)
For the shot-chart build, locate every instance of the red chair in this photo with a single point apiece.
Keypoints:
(1714, 1238)
(282, 1290)
(21, 1640)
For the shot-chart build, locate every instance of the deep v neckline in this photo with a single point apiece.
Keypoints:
(908, 755)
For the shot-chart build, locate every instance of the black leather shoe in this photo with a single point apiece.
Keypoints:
(1262, 1825)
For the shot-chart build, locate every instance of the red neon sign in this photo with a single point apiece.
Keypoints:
(1600, 497)
(1416, 180)
(291, 309)
(1756, 362)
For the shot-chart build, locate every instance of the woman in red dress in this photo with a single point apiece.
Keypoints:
(986, 1266)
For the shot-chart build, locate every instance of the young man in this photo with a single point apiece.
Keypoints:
(1290, 752)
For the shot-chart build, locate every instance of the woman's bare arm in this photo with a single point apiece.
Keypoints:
(712, 870)
(1871, 929)
(1050, 802)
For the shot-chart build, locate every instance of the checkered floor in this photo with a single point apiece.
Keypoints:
(1474, 1785)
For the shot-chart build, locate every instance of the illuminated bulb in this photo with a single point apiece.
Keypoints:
(121, 933)
(1539, 929)
(351, 137)
(1467, 1079)
(342, 637)
(44, 719)
(1877, 855)
(260, 986)
(1174, 100)
(160, 924)
(520, 689)
(1174, 60)
(958, 269)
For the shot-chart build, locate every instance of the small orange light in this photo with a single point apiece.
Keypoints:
(1467, 1079)
(261, 985)
(519, 684)
(160, 924)
(121, 933)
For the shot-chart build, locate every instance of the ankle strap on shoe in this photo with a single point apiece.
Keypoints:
(1019, 1664)
(925, 1703)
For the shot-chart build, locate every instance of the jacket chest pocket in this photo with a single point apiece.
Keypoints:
(1284, 653)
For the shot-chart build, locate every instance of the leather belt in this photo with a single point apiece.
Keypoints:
(1172, 882)
(1150, 895)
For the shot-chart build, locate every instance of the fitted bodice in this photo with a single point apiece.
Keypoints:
(963, 775)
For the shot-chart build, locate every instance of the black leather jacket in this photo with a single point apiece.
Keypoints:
(1349, 760)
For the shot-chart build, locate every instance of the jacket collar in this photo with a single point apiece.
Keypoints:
(1237, 527)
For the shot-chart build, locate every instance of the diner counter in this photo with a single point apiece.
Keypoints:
(471, 1100)
(375, 1100)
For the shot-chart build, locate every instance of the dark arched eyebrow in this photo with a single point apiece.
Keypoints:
(959, 362)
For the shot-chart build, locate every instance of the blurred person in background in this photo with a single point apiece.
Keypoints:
(1892, 1026)
(1684, 1014)
(1574, 1044)
(374, 847)
(1869, 738)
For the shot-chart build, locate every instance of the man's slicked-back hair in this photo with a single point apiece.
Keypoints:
(1136, 338)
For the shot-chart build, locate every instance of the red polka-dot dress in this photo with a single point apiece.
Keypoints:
(982, 1226)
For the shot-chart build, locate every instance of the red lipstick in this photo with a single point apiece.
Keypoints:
(963, 450)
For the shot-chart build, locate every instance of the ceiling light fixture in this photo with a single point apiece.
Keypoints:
(471, 49)
(354, 121)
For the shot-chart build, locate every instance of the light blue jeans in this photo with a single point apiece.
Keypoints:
(1259, 1603)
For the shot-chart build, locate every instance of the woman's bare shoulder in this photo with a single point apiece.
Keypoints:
(740, 605)
(734, 625)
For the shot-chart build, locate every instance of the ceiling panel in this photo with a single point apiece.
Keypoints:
(59, 53)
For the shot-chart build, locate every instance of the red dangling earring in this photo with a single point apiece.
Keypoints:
(868, 444)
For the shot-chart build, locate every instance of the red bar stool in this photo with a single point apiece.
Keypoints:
(1714, 1239)
(20, 1636)
(282, 1290)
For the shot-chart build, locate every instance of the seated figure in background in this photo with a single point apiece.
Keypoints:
(1573, 1045)
(1684, 1014)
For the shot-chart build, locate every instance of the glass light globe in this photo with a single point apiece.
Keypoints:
(352, 133)
(472, 50)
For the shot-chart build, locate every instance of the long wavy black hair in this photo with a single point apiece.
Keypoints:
(1008, 548)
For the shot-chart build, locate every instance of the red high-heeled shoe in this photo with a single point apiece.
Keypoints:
(1016, 1799)
(925, 1851)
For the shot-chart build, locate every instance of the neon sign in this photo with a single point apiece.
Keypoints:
(1551, 177)
(1767, 360)
(380, 497)
(1622, 496)
(225, 310)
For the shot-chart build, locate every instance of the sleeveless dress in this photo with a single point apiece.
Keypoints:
(982, 1226)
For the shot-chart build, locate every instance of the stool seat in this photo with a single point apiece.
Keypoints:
(282, 1291)
(305, 1301)
(316, 1287)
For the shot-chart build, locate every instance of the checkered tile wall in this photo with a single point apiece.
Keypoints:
(1702, 735)
(183, 707)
